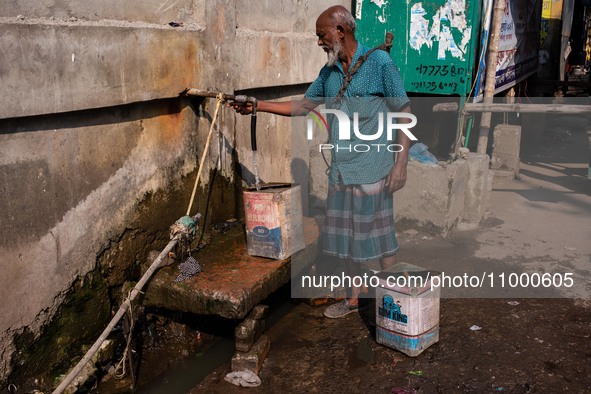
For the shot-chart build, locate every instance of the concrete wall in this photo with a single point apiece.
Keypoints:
(98, 153)
(442, 198)
(433, 197)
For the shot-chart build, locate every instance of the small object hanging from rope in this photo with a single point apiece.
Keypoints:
(186, 229)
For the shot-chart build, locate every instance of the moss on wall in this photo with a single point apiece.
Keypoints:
(79, 321)
(86, 310)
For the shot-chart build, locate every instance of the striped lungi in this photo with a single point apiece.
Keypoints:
(359, 222)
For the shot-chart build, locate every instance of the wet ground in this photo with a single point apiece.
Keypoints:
(537, 346)
(538, 223)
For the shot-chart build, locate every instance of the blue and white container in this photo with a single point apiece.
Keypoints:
(407, 309)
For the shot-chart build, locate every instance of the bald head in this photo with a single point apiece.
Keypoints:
(335, 29)
(338, 15)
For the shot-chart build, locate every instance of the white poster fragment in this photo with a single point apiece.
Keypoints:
(447, 22)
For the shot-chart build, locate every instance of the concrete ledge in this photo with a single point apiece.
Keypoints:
(433, 198)
(232, 282)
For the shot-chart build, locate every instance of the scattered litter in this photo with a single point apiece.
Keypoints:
(225, 226)
(415, 373)
(188, 269)
(475, 328)
(500, 389)
(513, 303)
(176, 24)
(243, 378)
(401, 390)
(539, 340)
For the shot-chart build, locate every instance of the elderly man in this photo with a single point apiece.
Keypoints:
(359, 224)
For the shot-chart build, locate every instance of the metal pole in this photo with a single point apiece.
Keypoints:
(206, 93)
(491, 71)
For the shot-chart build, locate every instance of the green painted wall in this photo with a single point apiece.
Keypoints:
(435, 42)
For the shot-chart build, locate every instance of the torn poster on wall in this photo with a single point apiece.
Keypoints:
(434, 43)
(380, 4)
(444, 27)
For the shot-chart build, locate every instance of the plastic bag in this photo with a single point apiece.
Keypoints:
(420, 152)
(243, 378)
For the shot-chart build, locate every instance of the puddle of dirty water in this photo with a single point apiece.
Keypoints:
(192, 370)
(164, 372)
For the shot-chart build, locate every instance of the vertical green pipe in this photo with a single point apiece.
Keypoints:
(468, 130)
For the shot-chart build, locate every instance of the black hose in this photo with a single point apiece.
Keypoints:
(253, 131)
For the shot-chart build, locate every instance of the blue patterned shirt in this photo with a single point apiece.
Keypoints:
(375, 88)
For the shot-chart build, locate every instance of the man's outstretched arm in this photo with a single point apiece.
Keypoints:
(285, 108)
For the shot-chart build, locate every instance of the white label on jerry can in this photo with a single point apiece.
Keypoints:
(410, 315)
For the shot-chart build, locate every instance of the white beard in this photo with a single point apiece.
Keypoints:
(333, 54)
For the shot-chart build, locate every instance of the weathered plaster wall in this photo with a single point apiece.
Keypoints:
(97, 150)
(148, 11)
